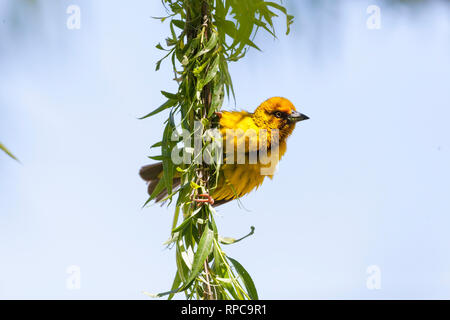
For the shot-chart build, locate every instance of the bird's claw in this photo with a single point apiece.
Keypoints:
(204, 198)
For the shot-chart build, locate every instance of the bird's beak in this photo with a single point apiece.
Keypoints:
(296, 116)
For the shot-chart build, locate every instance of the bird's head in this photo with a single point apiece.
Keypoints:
(278, 113)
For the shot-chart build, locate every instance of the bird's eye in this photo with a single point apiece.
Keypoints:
(278, 114)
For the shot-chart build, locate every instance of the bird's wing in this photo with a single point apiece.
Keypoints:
(240, 132)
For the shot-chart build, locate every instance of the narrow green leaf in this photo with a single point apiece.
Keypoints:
(159, 188)
(166, 150)
(180, 276)
(168, 104)
(194, 185)
(178, 23)
(170, 96)
(156, 158)
(228, 240)
(158, 65)
(246, 279)
(289, 18)
(175, 285)
(213, 222)
(198, 70)
(231, 289)
(172, 30)
(156, 145)
(4, 149)
(213, 69)
(276, 6)
(186, 221)
(209, 45)
(203, 251)
(252, 44)
(181, 266)
(221, 270)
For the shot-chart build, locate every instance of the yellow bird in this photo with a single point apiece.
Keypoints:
(274, 118)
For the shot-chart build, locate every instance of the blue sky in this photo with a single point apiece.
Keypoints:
(364, 182)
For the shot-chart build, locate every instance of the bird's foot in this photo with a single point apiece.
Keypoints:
(204, 198)
(218, 114)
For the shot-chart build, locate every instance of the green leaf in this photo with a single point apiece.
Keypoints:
(217, 99)
(213, 222)
(203, 251)
(159, 187)
(289, 18)
(181, 266)
(252, 44)
(4, 149)
(171, 96)
(156, 158)
(177, 281)
(158, 65)
(276, 6)
(230, 28)
(186, 221)
(156, 145)
(245, 276)
(231, 289)
(209, 45)
(181, 170)
(228, 240)
(172, 30)
(168, 104)
(213, 69)
(198, 70)
(175, 285)
(178, 23)
(168, 166)
(221, 270)
(194, 185)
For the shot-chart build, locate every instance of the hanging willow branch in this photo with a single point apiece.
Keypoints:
(205, 36)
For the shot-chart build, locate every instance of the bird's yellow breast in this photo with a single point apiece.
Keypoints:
(238, 179)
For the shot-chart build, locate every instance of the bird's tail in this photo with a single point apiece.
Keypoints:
(152, 173)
